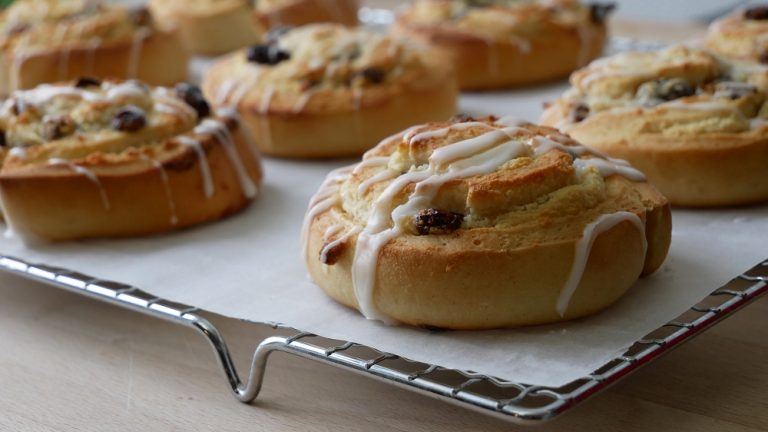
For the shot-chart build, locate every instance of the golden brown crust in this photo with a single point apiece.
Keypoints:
(339, 90)
(208, 27)
(489, 44)
(509, 260)
(93, 180)
(740, 35)
(66, 40)
(693, 123)
(301, 12)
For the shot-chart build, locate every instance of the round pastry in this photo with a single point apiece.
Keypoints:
(483, 223)
(694, 124)
(504, 43)
(741, 35)
(107, 159)
(272, 14)
(325, 90)
(208, 27)
(45, 41)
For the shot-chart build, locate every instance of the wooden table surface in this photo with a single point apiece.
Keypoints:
(69, 363)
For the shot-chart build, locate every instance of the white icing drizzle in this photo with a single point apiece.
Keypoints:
(479, 155)
(221, 133)
(325, 198)
(134, 56)
(332, 231)
(90, 62)
(266, 100)
(329, 246)
(584, 247)
(205, 169)
(757, 123)
(301, 103)
(166, 187)
(90, 175)
(608, 168)
(387, 174)
(18, 152)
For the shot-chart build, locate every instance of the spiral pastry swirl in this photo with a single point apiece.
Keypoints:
(119, 158)
(693, 122)
(43, 41)
(505, 43)
(483, 223)
(325, 90)
(741, 35)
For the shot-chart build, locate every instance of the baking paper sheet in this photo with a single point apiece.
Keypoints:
(249, 266)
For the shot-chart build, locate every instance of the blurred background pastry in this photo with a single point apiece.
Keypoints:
(326, 90)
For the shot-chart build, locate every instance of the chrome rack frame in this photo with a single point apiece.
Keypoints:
(519, 402)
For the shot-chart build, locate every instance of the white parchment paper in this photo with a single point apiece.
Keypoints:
(249, 266)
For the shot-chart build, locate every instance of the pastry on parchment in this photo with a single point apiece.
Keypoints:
(325, 90)
(694, 123)
(119, 158)
(44, 41)
(483, 223)
(505, 43)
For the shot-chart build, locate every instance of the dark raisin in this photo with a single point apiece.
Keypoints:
(2, 138)
(84, 82)
(756, 13)
(579, 112)
(461, 118)
(129, 119)
(277, 32)
(141, 16)
(18, 107)
(598, 12)
(763, 57)
(373, 75)
(674, 88)
(17, 28)
(55, 127)
(193, 96)
(434, 221)
(330, 256)
(267, 54)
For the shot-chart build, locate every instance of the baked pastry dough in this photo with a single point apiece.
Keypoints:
(483, 223)
(504, 43)
(208, 27)
(741, 35)
(44, 41)
(325, 90)
(113, 159)
(693, 123)
(218, 26)
(272, 14)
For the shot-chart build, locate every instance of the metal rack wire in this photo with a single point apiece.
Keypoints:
(519, 402)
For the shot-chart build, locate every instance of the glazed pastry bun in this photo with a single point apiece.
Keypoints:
(208, 27)
(43, 41)
(741, 35)
(109, 159)
(271, 14)
(694, 124)
(483, 223)
(503, 43)
(326, 90)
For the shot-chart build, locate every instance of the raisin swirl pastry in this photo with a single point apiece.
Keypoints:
(108, 159)
(504, 43)
(694, 123)
(44, 41)
(741, 35)
(325, 90)
(483, 223)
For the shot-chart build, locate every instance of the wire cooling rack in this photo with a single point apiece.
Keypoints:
(519, 402)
